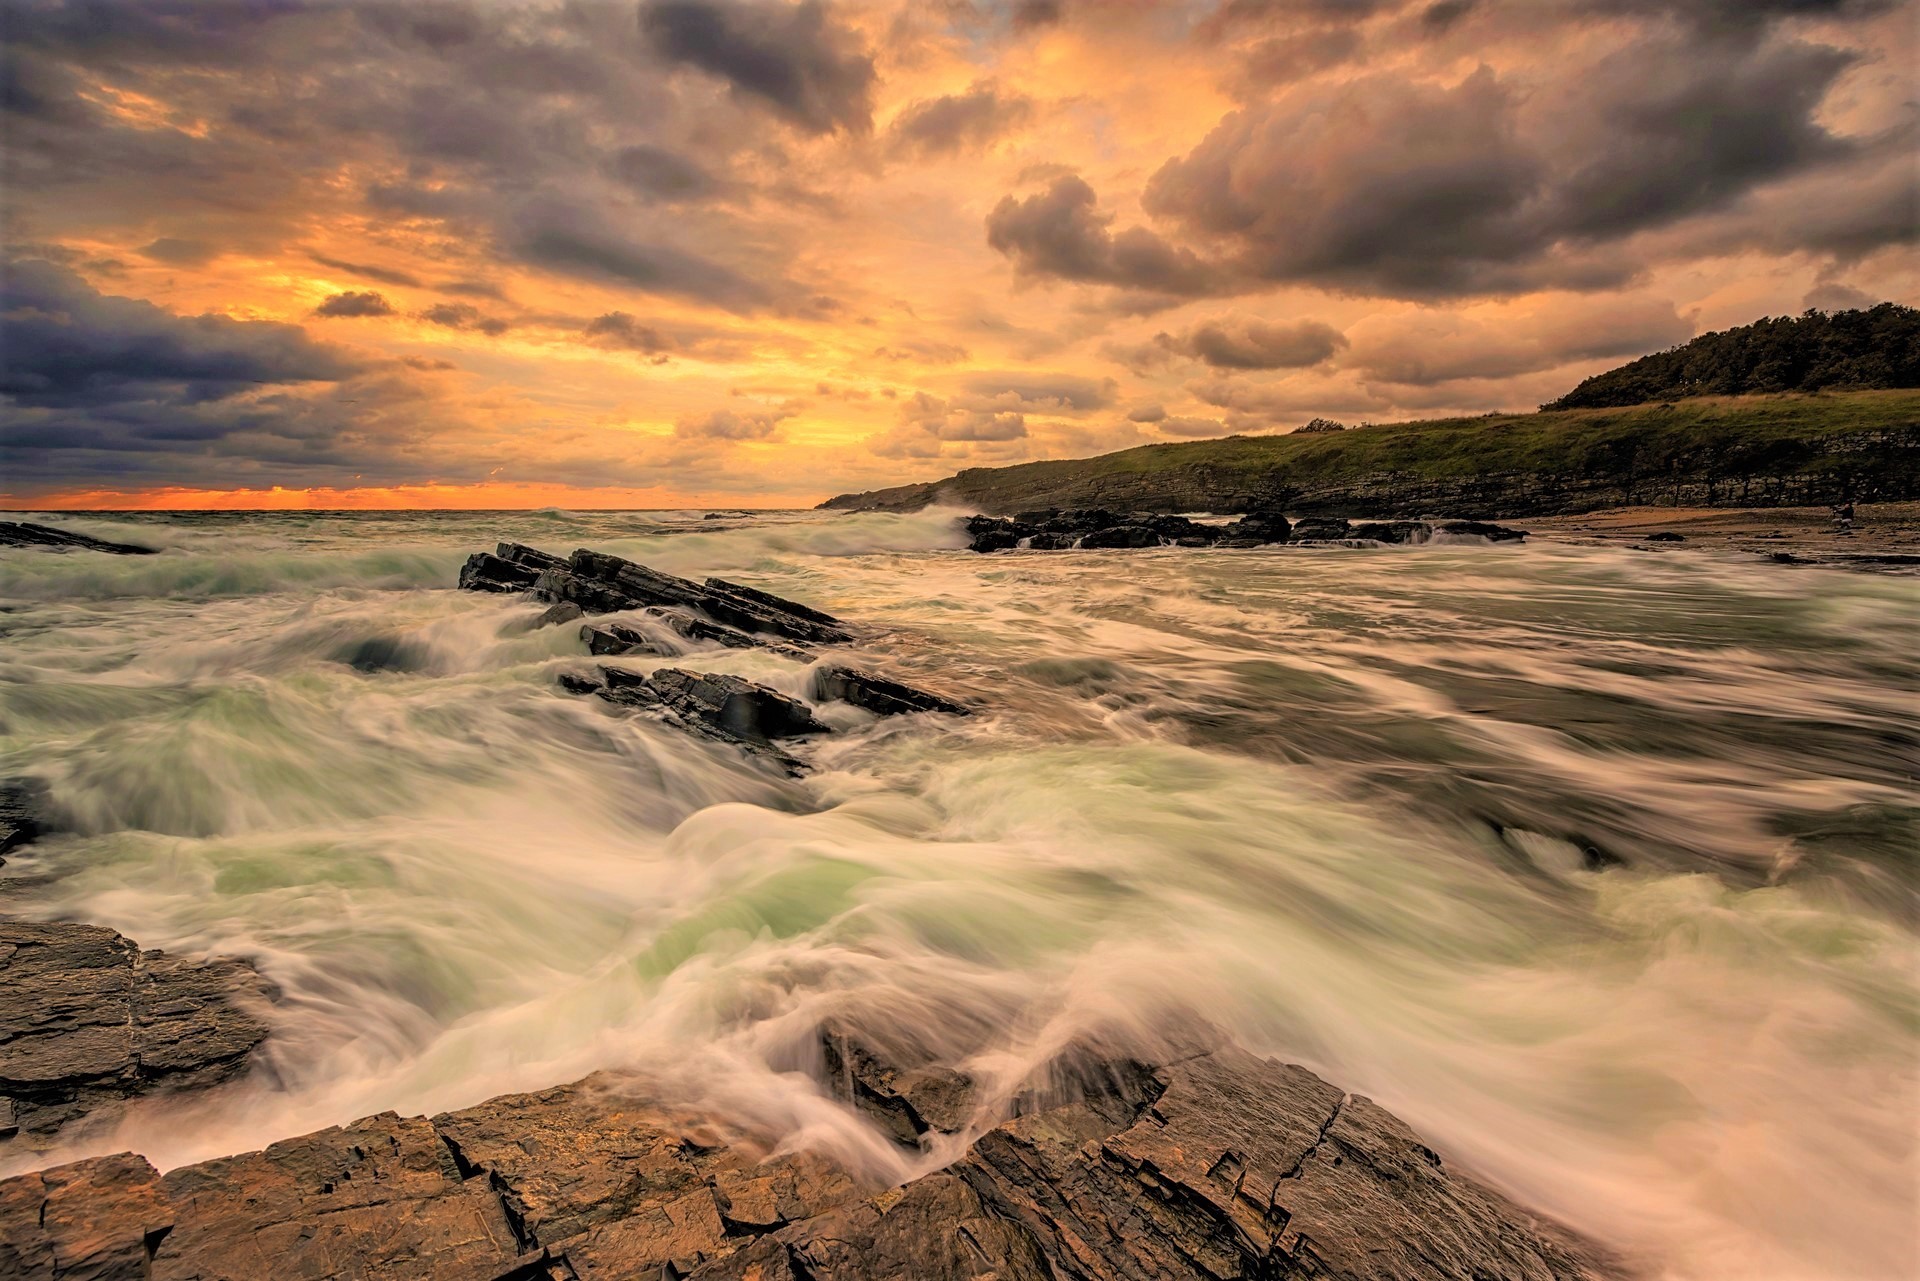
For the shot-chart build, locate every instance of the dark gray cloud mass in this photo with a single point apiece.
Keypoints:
(1392, 185)
(790, 56)
(356, 303)
(68, 345)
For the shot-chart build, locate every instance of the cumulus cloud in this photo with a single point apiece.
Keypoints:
(958, 122)
(1430, 347)
(730, 424)
(355, 303)
(1061, 233)
(1193, 427)
(618, 329)
(1037, 391)
(792, 57)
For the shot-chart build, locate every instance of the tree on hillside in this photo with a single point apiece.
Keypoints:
(1877, 347)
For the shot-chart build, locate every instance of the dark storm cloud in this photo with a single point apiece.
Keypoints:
(1390, 185)
(355, 303)
(1061, 233)
(790, 56)
(658, 174)
(68, 345)
(959, 121)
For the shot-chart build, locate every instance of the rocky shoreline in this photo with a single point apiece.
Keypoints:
(1105, 1165)
(1211, 1164)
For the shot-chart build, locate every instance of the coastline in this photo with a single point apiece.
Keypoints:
(1884, 536)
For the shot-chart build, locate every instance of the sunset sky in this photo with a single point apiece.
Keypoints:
(706, 252)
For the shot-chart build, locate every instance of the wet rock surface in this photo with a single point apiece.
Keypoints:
(88, 1019)
(1097, 529)
(24, 813)
(1217, 1165)
(19, 533)
(877, 694)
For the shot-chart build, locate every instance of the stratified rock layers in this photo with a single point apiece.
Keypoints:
(1220, 1165)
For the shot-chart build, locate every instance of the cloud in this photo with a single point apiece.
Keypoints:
(69, 345)
(384, 275)
(958, 122)
(572, 242)
(1430, 347)
(618, 329)
(1246, 342)
(1060, 233)
(1060, 393)
(464, 315)
(181, 253)
(1148, 414)
(789, 56)
(352, 303)
(666, 176)
(728, 424)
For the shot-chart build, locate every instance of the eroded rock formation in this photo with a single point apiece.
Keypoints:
(20, 533)
(1217, 1165)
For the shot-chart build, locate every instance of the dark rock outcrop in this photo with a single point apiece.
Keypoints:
(20, 533)
(877, 694)
(1319, 529)
(635, 586)
(87, 1019)
(1215, 1165)
(1096, 529)
(714, 706)
(23, 813)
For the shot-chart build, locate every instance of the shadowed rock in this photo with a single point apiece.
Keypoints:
(17, 533)
(97, 1220)
(23, 812)
(877, 694)
(715, 706)
(87, 1019)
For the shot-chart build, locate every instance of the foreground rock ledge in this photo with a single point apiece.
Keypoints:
(1218, 1166)
(88, 1020)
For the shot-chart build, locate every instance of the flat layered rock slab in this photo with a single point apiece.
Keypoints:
(88, 1019)
(20, 533)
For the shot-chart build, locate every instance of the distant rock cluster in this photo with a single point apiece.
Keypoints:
(1094, 529)
(21, 533)
(667, 616)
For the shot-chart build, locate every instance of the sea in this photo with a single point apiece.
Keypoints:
(1594, 864)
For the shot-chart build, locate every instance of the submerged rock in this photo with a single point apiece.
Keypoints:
(87, 1019)
(20, 533)
(877, 694)
(1215, 1165)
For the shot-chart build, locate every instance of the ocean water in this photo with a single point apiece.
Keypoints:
(1594, 865)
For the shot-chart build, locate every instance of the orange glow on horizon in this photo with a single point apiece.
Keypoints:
(483, 497)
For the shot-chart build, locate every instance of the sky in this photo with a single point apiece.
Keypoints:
(414, 253)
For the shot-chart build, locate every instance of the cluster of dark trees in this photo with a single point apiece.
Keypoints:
(1876, 347)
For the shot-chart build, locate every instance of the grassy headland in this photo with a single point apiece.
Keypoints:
(1748, 451)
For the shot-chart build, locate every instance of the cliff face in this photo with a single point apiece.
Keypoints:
(1756, 451)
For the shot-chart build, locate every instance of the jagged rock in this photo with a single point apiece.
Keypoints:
(1244, 1167)
(1391, 531)
(1482, 529)
(1260, 528)
(95, 1220)
(564, 612)
(382, 1197)
(20, 533)
(714, 706)
(908, 1102)
(486, 572)
(1319, 529)
(23, 813)
(1129, 536)
(770, 601)
(877, 694)
(88, 1019)
(1216, 1165)
(605, 639)
(736, 706)
(1666, 536)
(593, 579)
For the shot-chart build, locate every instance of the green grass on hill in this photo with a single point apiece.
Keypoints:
(1863, 440)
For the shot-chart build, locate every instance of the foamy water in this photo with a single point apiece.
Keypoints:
(1596, 866)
